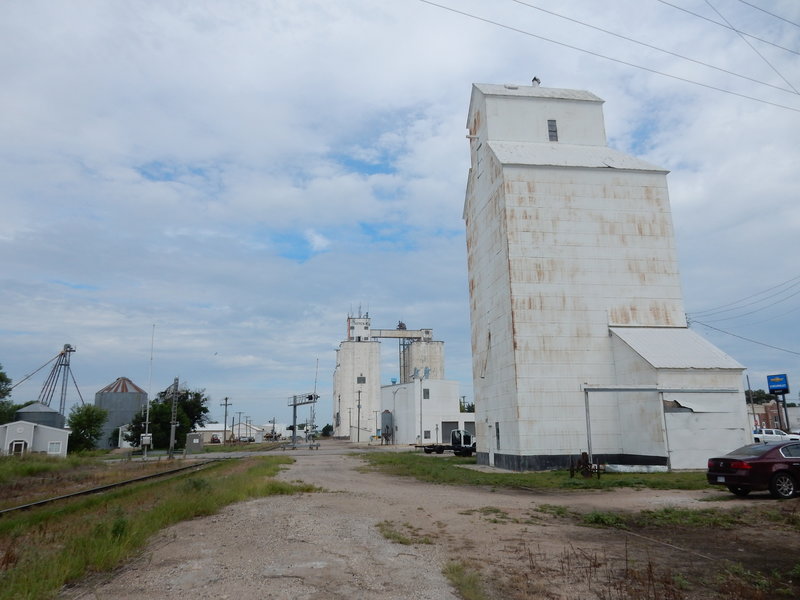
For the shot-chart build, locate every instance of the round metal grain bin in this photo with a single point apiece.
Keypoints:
(122, 399)
(40, 414)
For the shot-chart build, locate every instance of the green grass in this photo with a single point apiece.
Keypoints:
(409, 537)
(43, 549)
(448, 470)
(670, 517)
(30, 465)
(466, 581)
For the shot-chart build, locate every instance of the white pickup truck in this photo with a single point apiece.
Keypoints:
(773, 435)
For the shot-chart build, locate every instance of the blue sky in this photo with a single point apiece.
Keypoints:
(242, 175)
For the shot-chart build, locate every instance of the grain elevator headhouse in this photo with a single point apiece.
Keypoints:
(574, 286)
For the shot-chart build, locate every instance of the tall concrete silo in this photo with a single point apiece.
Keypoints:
(574, 284)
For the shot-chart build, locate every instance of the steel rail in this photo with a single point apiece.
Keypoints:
(108, 486)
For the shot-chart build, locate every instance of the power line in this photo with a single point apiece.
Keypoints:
(724, 307)
(750, 35)
(746, 339)
(778, 316)
(769, 13)
(754, 49)
(756, 310)
(652, 47)
(616, 60)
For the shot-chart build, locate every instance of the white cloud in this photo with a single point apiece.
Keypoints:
(243, 174)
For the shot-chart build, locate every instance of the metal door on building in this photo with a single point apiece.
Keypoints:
(447, 427)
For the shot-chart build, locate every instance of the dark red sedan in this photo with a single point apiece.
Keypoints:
(774, 467)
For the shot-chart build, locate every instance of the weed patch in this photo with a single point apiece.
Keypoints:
(466, 580)
(450, 470)
(405, 534)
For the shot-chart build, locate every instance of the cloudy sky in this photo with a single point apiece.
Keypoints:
(223, 181)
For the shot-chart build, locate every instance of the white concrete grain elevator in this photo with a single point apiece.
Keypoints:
(357, 378)
(574, 287)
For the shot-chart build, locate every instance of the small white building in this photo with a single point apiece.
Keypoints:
(422, 411)
(231, 432)
(24, 437)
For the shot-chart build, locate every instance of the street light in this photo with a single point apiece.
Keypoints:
(394, 413)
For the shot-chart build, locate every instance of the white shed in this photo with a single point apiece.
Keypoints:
(24, 437)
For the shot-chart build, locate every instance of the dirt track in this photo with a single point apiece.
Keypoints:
(327, 545)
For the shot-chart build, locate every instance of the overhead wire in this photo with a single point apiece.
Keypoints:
(769, 13)
(778, 316)
(699, 16)
(652, 47)
(753, 48)
(746, 339)
(736, 304)
(616, 60)
(754, 311)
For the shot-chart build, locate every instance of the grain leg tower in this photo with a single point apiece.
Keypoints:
(574, 285)
(357, 378)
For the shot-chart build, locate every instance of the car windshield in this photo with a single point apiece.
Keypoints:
(751, 450)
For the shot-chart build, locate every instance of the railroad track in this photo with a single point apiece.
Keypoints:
(110, 486)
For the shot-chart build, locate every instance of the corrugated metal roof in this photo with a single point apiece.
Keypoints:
(674, 348)
(528, 91)
(567, 155)
(35, 407)
(122, 385)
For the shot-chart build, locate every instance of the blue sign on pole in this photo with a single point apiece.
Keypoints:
(778, 384)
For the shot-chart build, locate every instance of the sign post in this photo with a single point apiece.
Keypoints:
(779, 386)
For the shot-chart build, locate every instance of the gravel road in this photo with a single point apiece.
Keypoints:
(327, 544)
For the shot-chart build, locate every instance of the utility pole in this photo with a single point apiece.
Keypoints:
(174, 420)
(239, 432)
(226, 404)
(358, 419)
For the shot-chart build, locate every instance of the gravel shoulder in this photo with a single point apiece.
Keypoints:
(327, 544)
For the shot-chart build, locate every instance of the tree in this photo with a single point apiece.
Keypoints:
(7, 411)
(86, 422)
(5, 384)
(760, 397)
(192, 411)
(327, 431)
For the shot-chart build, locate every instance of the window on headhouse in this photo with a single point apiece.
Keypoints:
(427, 435)
(361, 379)
(426, 394)
(552, 130)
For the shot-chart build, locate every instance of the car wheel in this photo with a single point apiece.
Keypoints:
(782, 485)
(738, 490)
